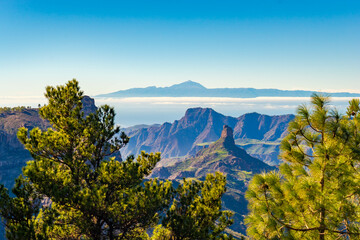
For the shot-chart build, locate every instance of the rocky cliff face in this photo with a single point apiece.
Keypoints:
(88, 105)
(204, 125)
(262, 127)
(177, 139)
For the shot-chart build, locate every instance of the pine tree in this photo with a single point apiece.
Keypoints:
(316, 193)
(195, 213)
(19, 211)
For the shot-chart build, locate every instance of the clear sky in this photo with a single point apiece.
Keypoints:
(113, 45)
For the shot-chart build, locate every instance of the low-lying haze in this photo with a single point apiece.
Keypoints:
(150, 110)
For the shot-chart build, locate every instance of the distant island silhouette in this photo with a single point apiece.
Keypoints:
(194, 89)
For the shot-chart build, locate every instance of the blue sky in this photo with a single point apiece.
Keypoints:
(113, 45)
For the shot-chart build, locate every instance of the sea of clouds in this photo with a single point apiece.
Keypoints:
(150, 110)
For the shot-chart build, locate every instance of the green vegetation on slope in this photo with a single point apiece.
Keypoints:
(13, 109)
(224, 156)
(267, 151)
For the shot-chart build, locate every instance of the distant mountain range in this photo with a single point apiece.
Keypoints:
(222, 155)
(259, 134)
(194, 89)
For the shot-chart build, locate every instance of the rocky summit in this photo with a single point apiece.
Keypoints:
(224, 156)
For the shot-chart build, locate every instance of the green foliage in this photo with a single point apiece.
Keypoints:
(13, 109)
(20, 210)
(196, 211)
(316, 193)
(161, 233)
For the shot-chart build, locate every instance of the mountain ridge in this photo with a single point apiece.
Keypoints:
(204, 125)
(222, 155)
(194, 89)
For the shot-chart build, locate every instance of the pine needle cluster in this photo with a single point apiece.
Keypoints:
(315, 195)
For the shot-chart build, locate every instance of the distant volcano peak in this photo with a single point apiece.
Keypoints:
(198, 111)
(188, 84)
(193, 89)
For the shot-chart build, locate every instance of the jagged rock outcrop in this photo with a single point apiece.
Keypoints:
(88, 105)
(177, 139)
(224, 156)
(199, 126)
